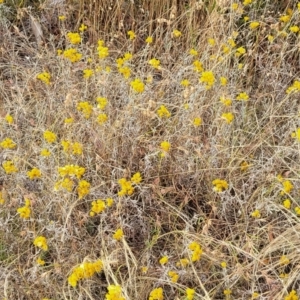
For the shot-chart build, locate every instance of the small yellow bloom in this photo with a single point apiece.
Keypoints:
(83, 188)
(118, 234)
(255, 214)
(34, 173)
(220, 185)
(87, 73)
(9, 167)
(240, 51)
(284, 260)
(61, 18)
(69, 120)
(196, 251)
(40, 262)
(270, 38)
(131, 34)
(227, 292)
(45, 152)
(285, 18)
(164, 260)
(253, 25)
(287, 203)
(149, 40)
(102, 102)
(74, 37)
(155, 63)
(197, 122)
(82, 28)
(292, 296)
(41, 242)
(211, 42)
(228, 117)
(176, 33)
(223, 264)
(185, 82)
(183, 262)
(223, 80)
(157, 294)
(297, 210)
(109, 202)
(244, 166)
(287, 187)
(24, 212)
(165, 146)
(163, 112)
(45, 77)
(190, 294)
(294, 29)
(242, 96)
(9, 119)
(225, 101)
(8, 143)
(193, 52)
(208, 78)
(86, 108)
(136, 178)
(72, 55)
(246, 18)
(174, 276)
(102, 118)
(255, 295)
(137, 85)
(49, 136)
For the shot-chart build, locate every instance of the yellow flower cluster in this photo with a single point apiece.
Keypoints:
(228, 117)
(9, 167)
(34, 173)
(157, 294)
(253, 25)
(41, 242)
(25, 210)
(83, 188)
(118, 234)
(220, 185)
(114, 293)
(45, 152)
(49, 136)
(174, 276)
(8, 144)
(295, 87)
(292, 296)
(65, 183)
(102, 102)
(225, 101)
(86, 108)
(183, 262)
(99, 206)
(45, 77)
(87, 73)
(287, 187)
(242, 96)
(177, 33)
(208, 78)
(102, 118)
(74, 148)
(190, 294)
(126, 185)
(296, 134)
(137, 85)
(74, 37)
(84, 271)
(2, 200)
(165, 146)
(72, 55)
(9, 119)
(155, 63)
(256, 214)
(71, 170)
(102, 50)
(196, 251)
(198, 67)
(131, 34)
(163, 112)
(164, 260)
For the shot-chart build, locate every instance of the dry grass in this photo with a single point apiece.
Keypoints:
(175, 204)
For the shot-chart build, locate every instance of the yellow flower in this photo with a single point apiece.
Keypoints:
(211, 41)
(227, 292)
(82, 28)
(193, 52)
(34, 173)
(102, 51)
(86, 108)
(114, 293)
(2, 200)
(256, 214)
(234, 6)
(144, 269)
(226, 102)
(287, 203)
(131, 34)
(295, 87)
(284, 260)
(253, 25)
(242, 96)
(246, 18)
(163, 112)
(9, 119)
(155, 63)
(24, 212)
(164, 260)
(69, 120)
(190, 294)
(197, 122)
(83, 188)
(223, 80)
(102, 118)
(165, 146)
(294, 29)
(228, 117)
(285, 18)
(87, 73)
(247, 2)
(149, 40)
(109, 202)
(176, 33)
(74, 37)
(136, 178)
(98, 206)
(183, 262)
(49, 136)
(126, 187)
(137, 85)
(244, 166)
(102, 102)
(220, 185)
(72, 55)
(185, 82)
(208, 78)
(40, 262)
(61, 18)
(157, 294)
(231, 42)
(198, 67)
(240, 51)
(174, 276)
(223, 264)
(9, 167)
(45, 77)
(255, 295)
(297, 210)
(196, 251)
(41, 242)
(8, 144)
(287, 187)
(270, 38)
(118, 234)
(45, 152)
(291, 296)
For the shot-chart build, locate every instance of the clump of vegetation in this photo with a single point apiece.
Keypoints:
(148, 155)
